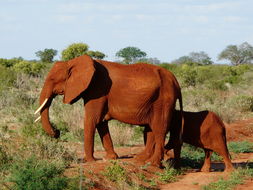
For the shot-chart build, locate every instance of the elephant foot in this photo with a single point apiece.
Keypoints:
(154, 162)
(205, 169)
(176, 164)
(111, 156)
(142, 157)
(168, 154)
(56, 134)
(229, 169)
(90, 159)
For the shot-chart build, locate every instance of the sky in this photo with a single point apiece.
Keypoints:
(164, 29)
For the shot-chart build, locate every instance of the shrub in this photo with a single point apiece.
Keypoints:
(7, 78)
(218, 85)
(37, 174)
(115, 172)
(189, 76)
(47, 148)
(242, 103)
(10, 62)
(169, 175)
(29, 67)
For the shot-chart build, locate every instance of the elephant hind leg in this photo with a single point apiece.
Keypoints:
(159, 127)
(222, 150)
(149, 141)
(105, 136)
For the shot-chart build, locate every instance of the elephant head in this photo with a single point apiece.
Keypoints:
(69, 78)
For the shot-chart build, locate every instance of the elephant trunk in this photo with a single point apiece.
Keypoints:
(47, 93)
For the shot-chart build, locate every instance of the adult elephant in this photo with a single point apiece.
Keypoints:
(139, 94)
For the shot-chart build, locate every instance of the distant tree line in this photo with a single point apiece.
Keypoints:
(235, 54)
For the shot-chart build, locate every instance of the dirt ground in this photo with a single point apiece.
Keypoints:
(192, 179)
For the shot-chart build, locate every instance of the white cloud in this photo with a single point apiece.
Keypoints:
(65, 18)
(233, 19)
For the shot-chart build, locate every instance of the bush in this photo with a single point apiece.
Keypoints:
(37, 174)
(7, 78)
(189, 76)
(218, 85)
(47, 148)
(242, 103)
(29, 67)
(10, 62)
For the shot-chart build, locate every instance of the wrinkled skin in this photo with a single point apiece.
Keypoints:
(139, 94)
(204, 130)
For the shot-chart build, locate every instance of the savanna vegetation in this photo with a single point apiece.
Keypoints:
(29, 159)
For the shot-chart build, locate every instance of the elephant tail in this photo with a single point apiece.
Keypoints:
(182, 116)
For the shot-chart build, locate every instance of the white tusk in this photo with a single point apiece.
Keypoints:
(37, 119)
(42, 105)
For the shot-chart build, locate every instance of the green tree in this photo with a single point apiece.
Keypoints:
(194, 58)
(183, 60)
(77, 49)
(237, 55)
(47, 55)
(96, 54)
(201, 58)
(131, 54)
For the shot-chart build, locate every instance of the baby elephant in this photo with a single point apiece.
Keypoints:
(205, 130)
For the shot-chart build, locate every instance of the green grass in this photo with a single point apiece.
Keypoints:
(193, 157)
(169, 175)
(236, 178)
(115, 172)
(240, 147)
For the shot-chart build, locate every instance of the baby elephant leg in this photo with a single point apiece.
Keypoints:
(225, 155)
(207, 163)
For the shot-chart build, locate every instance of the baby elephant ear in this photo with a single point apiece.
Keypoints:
(81, 70)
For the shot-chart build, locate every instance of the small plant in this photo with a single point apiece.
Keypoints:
(169, 175)
(4, 157)
(240, 147)
(142, 177)
(236, 178)
(37, 174)
(152, 183)
(115, 172)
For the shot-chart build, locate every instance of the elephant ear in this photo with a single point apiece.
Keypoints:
(81, 70)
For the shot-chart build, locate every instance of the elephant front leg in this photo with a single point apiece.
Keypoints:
(89, 132)
(105, 136)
